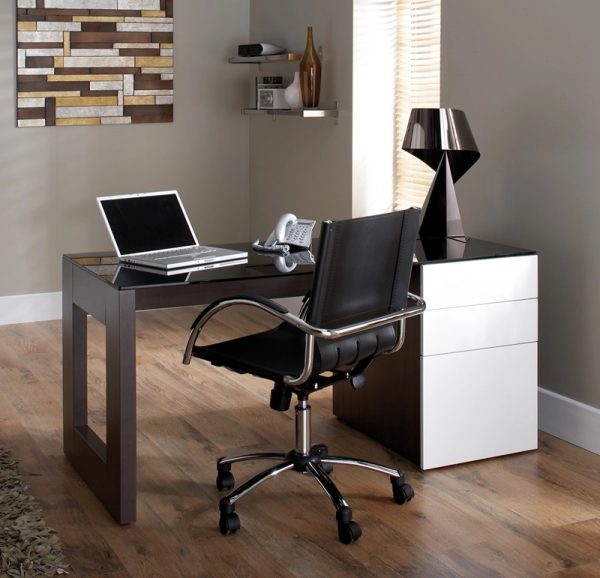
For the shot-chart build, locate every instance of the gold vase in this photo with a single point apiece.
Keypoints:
(310, 73)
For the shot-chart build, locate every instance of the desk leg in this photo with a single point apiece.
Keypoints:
(108, 469)
(120, 404)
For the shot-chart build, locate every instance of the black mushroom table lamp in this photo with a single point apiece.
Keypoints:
(441, 138)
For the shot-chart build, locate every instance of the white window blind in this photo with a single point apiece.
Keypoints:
(374, 82)
(396, 68)
(417, 85)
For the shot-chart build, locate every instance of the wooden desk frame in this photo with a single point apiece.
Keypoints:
(109, 469)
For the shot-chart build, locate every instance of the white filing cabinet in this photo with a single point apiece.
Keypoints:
(464, 386)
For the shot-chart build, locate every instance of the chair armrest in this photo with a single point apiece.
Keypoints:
(205, 315)
(310, 331)
(361, 326)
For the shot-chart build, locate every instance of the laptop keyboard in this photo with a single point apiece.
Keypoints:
(191, 252)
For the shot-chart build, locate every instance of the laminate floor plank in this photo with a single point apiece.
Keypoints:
(530, 514)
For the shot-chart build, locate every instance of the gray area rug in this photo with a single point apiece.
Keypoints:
(27, 546)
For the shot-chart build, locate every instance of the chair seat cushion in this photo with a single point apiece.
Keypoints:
(271, 354)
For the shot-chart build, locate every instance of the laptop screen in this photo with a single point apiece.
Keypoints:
(147, 222)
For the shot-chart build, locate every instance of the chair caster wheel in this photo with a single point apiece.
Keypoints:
(323, 451)
(403, 493)
(349, 532)
(320, 449)
(229, 524)
(225, 481)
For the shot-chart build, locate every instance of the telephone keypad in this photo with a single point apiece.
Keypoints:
(299, 233)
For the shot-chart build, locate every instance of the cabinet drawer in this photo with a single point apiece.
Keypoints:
(478, 404)
(478, 326)
(479, 281)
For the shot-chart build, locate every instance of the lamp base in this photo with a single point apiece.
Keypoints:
(440, 217)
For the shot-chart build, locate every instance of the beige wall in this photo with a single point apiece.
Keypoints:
(526, 75)
(297, 165)
(49, 177)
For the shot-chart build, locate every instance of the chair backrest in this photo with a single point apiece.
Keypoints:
(363, 268)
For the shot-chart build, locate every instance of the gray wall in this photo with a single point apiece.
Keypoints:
(303, 166)
(526, 73)
(49, 177)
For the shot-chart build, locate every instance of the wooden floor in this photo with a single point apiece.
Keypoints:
(533, 514)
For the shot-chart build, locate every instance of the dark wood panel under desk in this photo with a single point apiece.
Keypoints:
(388, 407)
(204, 293)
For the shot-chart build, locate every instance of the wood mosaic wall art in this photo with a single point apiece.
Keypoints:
(86, 62)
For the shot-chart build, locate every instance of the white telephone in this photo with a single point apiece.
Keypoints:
(289, 230)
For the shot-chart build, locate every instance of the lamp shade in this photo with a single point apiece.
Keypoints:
(442, 139)
(431, 132)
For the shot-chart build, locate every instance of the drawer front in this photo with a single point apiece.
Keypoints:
(478, 404)
(479, 281)
(479, 326)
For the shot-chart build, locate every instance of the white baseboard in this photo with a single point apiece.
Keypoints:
(570, 420)
(32, 307)
(48, 306)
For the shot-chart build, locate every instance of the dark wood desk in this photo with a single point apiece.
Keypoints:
(95, 284)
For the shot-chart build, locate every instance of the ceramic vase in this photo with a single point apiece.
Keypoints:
(310, 73)
(293, 94)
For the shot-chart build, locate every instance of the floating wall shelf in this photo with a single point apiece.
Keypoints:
(304, 113)
(287, 57)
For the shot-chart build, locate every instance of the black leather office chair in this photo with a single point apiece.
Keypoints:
(355, 312)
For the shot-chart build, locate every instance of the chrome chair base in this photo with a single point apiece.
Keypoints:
(305, 459)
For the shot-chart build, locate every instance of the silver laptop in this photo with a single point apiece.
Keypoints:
(153, 229)
(179, 270)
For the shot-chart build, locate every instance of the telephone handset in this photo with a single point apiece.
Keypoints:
(287, 263)
(289, 230)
